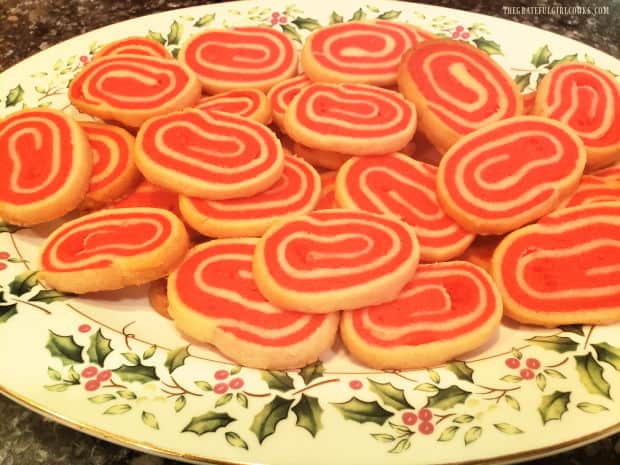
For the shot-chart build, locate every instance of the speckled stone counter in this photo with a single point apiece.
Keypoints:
(29, 26)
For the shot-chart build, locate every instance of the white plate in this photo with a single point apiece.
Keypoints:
(166, 396)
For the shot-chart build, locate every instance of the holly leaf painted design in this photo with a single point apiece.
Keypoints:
(448, 434)
(507, 428)
(541, 56)
(64, 348)
(48, 296)
(205, 20)
(291, 32)
(208, 423)
(8, 228)
(362, 411)
(23, 283)
(472, 435)
(100, 347)
(608, 354)
(7, 310)
(15, 95)
(461, 370)
(175, 33)
(335, 18)
(589, 407)
(308, 412)
(559, 344)
(235, 440)
(180, 403)
(118, 409)
(278, 380)
(591, 375)
(266, 421)
(553, 406)
(488, 46)
(359, 15)
(389, 15)
(446, 398)
(158, 36)
(565, 59)
(390, 395)
(311, 372)
(523, 80)
(401, 446)
(309, 24)
(139, 373)
(575, 329)
(176, 358)
(149, 420)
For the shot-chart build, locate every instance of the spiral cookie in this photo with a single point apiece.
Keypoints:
(281, 95)
(296, 192)
(593, 189)
(350, 118)
(564, 269)
(529, 101)
(249, 103)
(405, 188)
(446, 310)
(587, 99)
(456, 89)
(611, 172)
(130, 88)
(114, 173)
(510, 173)
(112, 249)
(252, 56)
(327, 199)
(147, 194)
(325, 159)
(45, 166)
(213, 298)
(209, 155)
(133, 46)
(336, 259)
(366, 52)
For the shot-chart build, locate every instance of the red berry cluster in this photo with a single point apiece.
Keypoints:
(84, 59)
(531, 364)
(3, 256)
(101, 377)
(278, 18)
(460, 33)
(355, 384)
(425, 416)
(221, 388)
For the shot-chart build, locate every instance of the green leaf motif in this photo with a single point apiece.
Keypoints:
(472, 434)
(575, 329)
(311, 372)
(138, 373)
(541, 381)
(488, 46)
(448, 434)
(374, 9)
(8, 228)
(118, 409)
(126, 394)
(507, 428)
(224, 399)
(390, 395)
(589, 407)
(65, 348)
(463, 419)
(559, 344)
(99, 349)
(175, 52)
(401, 446)
(426, 387)
(447, 398)
(208, 423)
(308, 412)
(291, 32)
(389, 15)
(553, 373)
(564, 59)
(234, 370)
(180, 404)
(399, 428)
(60, 387)
(266, 421)
(242, 399)
(23, 283)
(523, 80)
(362, 411)
(102, 398)
(53, 374)
(335, 18)
(150, 420)
(608, 354)
(131, 357)
(48, 296)
(461, 370)
(309, 24)
(205, 20)
(203, 385)
(278, 380)
(541, 56)
(553, 406)
(15, 95)
(235, 440)
(157, 36)
(514, 403)
(359, 15)
(382, 437)
(72, 376)
(176, 358)
(433, 375)
(516, 353)
(6, 310)
(591, 375)
(175, 33)
(148, 353)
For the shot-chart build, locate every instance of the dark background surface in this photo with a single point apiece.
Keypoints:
(29, 26)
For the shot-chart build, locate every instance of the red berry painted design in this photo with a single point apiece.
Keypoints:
(275, 14)
(104, 375)
(526, 373)
(221, 374)
(409, 418)
(274, 21)
(220, 388)
(455, 35)
(465, 35)
(3, 266)
(533, 363)
(426, 427)
(513, 362)
(235, 383)
(84, 328)
(4, 255)
(355, 384)
(92, 385)
(89, 372)
(459, 28)
(425, 414)
(283, 19)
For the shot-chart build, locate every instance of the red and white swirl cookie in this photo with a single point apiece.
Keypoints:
(281, 95)
(112, 249)
(510, 173)
(114, 173)
(336, 259)
(131, 88)
(249, 103)
(400, 186)
(251, 56)
(366, 52)
(209, 155)
(45, 166)
(529, 100)
(587, 99)
(593, 189)
(324, 159)
(563, 270)
(456, 89)
(611, 172)
(327, 199)
(134, 45)
(147, 194)
(296, 192)
(213, 298)
(350, 118)
(446, 310)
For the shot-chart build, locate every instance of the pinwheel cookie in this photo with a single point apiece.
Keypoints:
(114, 173)
(402, 187)
(510, 173)
(296, 192)
(129, 89)
(447, 309)
(456, 89)
(226, 59)
(335, 259)
(134, 45)
(366, 52)
(45, 166)
(350, 118)
(112, 249)
(563, 269)
(209, 155)
(611, 172)
(281, 95)
(213, 298)
(593, 189)
(327, 199)
(249, 103)
(587, 99)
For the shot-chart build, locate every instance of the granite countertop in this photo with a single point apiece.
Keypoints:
(29, 26)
